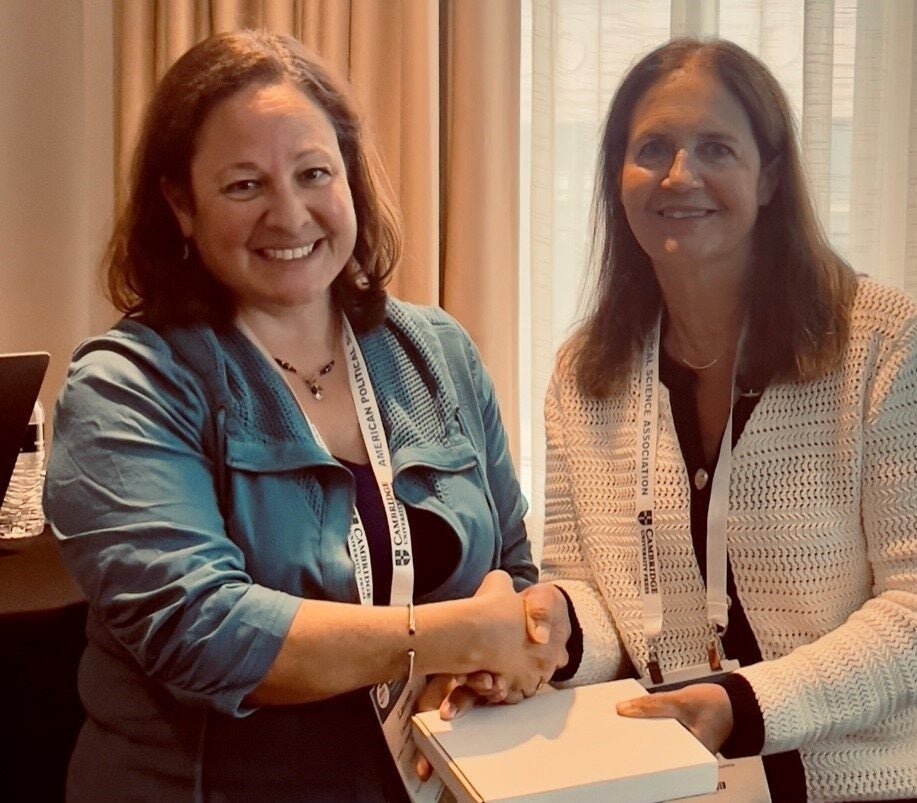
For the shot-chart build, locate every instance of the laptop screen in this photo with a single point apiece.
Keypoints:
(21, 376)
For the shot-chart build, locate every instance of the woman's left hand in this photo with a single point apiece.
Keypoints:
(453, 695)
(703, 708)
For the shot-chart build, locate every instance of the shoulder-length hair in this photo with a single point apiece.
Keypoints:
(147, 274)
(799, 291)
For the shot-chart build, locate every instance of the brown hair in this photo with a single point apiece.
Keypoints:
(799, 291)
(146, 273)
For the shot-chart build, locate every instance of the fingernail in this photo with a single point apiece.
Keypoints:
(487, 682)
(542, 634)
(625, 708)
(447, 710)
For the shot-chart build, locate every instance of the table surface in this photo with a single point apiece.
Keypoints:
(32, 577)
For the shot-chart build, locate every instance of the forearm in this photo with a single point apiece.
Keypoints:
(865, 669)
(333, 648)
(564, 563)
(850, 679)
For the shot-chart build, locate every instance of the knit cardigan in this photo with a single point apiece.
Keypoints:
(822, 539)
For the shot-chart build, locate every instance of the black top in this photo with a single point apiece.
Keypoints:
(436, 548)
(785, 773)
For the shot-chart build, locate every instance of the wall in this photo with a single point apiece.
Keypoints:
(55, 175)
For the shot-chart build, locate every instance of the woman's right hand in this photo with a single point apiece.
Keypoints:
(547, 622)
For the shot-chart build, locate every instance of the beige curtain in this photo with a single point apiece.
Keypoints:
(480, 199)
(56, 160)
(437, 84)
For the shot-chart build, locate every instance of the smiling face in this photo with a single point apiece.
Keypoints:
(692, 181)
(271, 212)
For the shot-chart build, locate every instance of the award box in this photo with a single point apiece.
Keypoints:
(567, 746)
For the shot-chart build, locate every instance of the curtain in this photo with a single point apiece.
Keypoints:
(480, 210)
(437, 85)
(849, 70)
(56, 159)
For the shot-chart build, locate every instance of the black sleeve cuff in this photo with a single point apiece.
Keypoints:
(747, 737)
(574, 644)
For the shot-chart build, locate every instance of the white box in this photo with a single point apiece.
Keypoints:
(567, 746)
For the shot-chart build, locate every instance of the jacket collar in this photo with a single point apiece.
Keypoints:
(407, 365)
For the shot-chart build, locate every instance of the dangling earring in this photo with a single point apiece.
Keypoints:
(360, 279)
(186, 251)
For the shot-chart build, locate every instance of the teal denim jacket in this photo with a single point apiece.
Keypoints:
(194, 508)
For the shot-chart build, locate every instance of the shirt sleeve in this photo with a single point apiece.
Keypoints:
(131, 497)
(602, 655)
(865, 670)
(747, 737)
(574, 644)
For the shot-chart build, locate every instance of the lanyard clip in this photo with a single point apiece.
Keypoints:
(713, 652)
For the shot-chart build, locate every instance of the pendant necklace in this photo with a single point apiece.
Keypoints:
(695, 366)
(703, 367)
(311, 382)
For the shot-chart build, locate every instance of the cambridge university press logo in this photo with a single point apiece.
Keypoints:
(402, 558)
(645, 518)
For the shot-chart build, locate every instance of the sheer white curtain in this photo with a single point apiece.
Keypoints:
(849, 69)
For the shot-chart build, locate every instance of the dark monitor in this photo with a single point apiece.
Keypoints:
(21, 376)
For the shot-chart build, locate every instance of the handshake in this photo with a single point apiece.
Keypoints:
(522, 642)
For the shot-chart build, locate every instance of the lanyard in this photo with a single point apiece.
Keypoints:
(364, 400)
(645, 511)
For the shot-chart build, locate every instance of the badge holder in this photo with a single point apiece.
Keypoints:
(714, 669)
(394, 702)
(740, 780)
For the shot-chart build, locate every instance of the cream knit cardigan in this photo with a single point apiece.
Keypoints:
(822, 538)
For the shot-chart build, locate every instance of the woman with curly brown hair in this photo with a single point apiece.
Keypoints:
(264, 466)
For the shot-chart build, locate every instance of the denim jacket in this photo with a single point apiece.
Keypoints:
(195, 509)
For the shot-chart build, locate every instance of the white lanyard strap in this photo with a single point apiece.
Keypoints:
(364, 399)
(645, 510)
(717, 510)
(646, 499)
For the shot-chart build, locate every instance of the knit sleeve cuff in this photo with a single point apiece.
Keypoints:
(574, 644)
(747, 737)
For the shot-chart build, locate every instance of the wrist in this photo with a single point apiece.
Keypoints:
(566, 620)
(449, 636)
(746, 736)
(574, 643)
